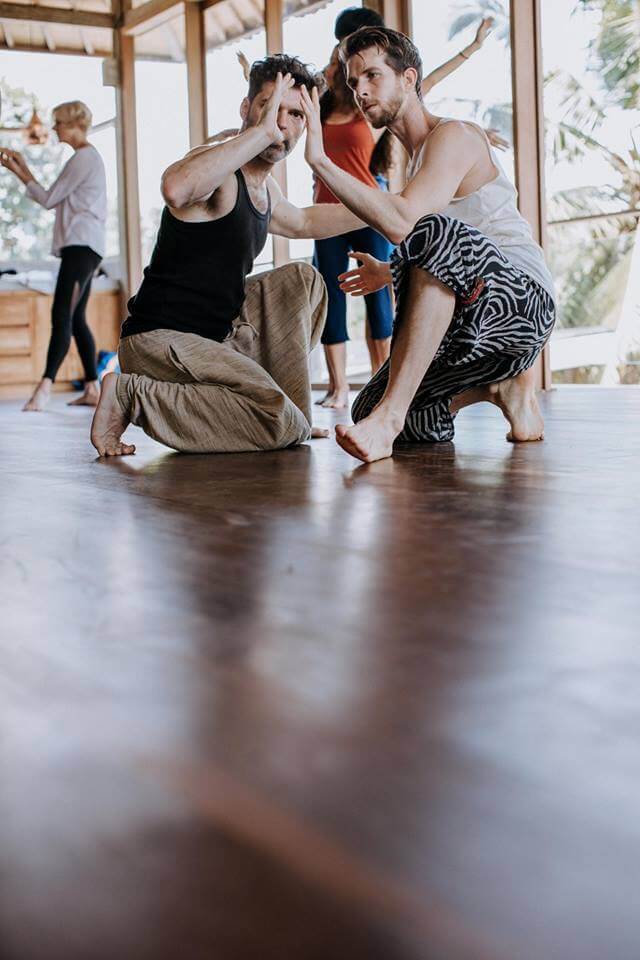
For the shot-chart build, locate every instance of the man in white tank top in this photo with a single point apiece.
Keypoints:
(474, 296)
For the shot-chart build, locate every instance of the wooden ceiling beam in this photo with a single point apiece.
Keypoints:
(149, 15)
(100, 52)
(40, 14)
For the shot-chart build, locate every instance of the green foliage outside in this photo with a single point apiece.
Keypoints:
(25, 226)
(590, 260)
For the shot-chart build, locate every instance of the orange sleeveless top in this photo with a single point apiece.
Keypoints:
(349, 146)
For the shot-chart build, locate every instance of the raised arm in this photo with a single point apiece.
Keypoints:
(317, 222)
(75, 171)
(450, 155)
(199, 174)
(445, 69)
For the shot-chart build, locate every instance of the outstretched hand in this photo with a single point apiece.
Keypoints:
(314, 147)
(484, 30)
(244, 63)
(369, 276)
(14, 161)
(269, 116)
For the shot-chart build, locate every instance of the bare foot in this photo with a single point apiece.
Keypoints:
(89, 398)
(517, 400)
(370, 439)
(318, 433)
(39, 398)
(338, 400)
(109, 423)
(320, 402)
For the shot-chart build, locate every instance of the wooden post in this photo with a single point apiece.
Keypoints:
(273, 17)
(196, 78)
(528, 128)
(126, 132)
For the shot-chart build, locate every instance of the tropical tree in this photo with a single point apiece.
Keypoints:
(25, 227)
(591, 259)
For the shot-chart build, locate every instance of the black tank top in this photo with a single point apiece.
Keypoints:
(195, 281)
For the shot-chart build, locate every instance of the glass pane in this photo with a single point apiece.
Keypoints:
(46, 80)
(227, 34)
(480, 89)
(590, 55)
(310, 37)
(162, 113)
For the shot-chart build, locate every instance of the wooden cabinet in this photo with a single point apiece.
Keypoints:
(25, 327)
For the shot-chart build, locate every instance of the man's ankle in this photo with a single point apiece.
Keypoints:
(392, 416)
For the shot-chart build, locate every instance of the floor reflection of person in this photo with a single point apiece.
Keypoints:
(79, 198)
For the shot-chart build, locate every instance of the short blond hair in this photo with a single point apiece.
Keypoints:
(75, 113)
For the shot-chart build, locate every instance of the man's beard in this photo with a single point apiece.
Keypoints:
(388, 114)
(276, 152)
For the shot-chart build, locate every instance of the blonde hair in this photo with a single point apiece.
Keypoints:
(75, 113)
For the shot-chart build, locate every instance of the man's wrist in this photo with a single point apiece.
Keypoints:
(321, 165)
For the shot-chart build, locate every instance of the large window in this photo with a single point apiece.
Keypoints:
(480, 89)
(310, 37)
(229, 32)
(46, 80)
(591, 50)
(162, 113)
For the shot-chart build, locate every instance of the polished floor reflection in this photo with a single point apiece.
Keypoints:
(285, 707)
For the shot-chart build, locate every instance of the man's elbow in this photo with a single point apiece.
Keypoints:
(173, 191)
(398, 231)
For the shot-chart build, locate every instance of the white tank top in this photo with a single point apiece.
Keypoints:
(493, 210)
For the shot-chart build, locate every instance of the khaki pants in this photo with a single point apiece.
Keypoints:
(251, 392)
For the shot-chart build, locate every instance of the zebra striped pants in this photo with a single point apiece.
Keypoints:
(501, 321)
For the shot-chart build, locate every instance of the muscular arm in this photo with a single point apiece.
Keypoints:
(448, 158)
(195, 177)
(316, 222)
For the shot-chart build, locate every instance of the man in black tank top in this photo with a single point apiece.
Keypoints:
(211, 361)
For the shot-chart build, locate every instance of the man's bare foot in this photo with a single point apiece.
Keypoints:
(338, 400)
(517, 400)
(109, 423)
(90, 396)
(39, 398)
(370, 439)
(319, 433)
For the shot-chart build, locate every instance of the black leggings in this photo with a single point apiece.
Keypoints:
(78, 264)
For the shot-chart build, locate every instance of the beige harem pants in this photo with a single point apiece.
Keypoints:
(251, 392)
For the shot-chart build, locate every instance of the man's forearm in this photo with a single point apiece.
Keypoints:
(195, 177)
(324, 220)
(385, 212)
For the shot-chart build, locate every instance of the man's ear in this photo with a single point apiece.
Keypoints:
(411, 76)
(245, 106)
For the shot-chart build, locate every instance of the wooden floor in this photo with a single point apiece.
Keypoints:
(281, 707)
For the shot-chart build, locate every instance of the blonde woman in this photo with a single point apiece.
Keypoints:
(79, 198)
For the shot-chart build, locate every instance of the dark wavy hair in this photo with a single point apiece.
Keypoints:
(399, 52)
(264, 71)
(353, 18)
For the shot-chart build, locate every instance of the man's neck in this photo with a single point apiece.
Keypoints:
(257, 170)
(413, 125)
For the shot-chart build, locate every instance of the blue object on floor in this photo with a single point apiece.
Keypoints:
(107, 363)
